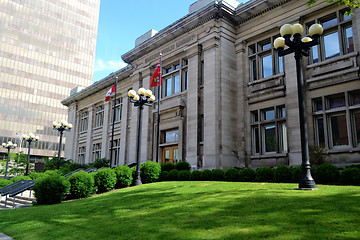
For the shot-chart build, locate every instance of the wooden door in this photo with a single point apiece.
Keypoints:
(170, 154)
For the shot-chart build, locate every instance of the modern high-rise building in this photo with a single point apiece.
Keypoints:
(47, 48)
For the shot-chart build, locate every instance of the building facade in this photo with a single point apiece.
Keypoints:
(228, 99)
(47, 48)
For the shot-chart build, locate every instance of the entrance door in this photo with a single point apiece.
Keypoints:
(170, 154)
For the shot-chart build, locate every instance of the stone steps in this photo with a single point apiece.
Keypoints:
(21, 200)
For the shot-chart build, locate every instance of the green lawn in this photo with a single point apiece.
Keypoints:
(195, 210)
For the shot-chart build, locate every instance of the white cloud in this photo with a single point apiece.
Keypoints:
(111, 65)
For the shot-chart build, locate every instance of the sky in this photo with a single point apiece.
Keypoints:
(122, 21)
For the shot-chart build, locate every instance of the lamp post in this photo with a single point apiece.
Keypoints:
(146, 98)
(8, 146)
(300, 47)
(29, 138)
(61, 127)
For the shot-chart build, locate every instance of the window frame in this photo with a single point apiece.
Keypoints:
(175, 78)
(84, 121)
(99, 116)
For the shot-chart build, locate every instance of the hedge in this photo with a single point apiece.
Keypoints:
(51, 189)
(105, 180)
(81, 185)
(123, 176)
(150, 172)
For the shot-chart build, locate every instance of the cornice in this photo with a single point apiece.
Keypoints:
(106, 82)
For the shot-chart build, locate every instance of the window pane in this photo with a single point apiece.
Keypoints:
(167, 155)
(349, 40)
(267, 69)
(176, 155)
(185, 80)
(357, 128)
(266, 46)
(346, 17)
(339, 130)
(355, 98)
(269, 114)
(282, 112)
(171, 136)
(318, 106)
(337, 102)
(176, 83)
(329, 23)
(284, 138)
(270, 139)
(320, 131)
(177, 66)
(315, 54)
(254, 116)
(281, 66)
(252, 49)
(168, 70)
(168, 87)
(331, 42)
(253, 68)
(256, 143)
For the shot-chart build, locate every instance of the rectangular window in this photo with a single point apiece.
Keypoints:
(339, 130)
(84, 121)
(171, 136)
(266, 64)
(118, 108)
(116, 151)
(332, 128)
(269, 135)
(81, 157)
(168, 87)
(337, 38)
(175, 78)
(99, 116)
(331, 45)
(96, 151)
(176, 84)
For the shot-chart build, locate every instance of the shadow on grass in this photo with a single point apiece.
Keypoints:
(195, 210)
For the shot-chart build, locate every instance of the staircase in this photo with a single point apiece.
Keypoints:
(24, 199)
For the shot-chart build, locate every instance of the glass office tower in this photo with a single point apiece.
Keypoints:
(47, 48)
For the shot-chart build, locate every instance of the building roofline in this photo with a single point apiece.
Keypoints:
(99, 85)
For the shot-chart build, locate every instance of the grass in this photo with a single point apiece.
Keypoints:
(195, 210)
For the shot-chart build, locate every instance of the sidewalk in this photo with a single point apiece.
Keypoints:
(5, 237)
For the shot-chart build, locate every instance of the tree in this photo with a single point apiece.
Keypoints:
(351, 4)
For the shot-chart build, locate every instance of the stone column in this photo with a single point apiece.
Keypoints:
(88, 154)
(292, 111)
(211, 104)
(107, 125)
(71, 143)
(192, 107)
(124, 129)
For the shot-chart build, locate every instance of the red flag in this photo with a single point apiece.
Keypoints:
(108, 94)
(154, 82)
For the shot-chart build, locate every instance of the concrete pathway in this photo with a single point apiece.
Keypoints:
(5, 237)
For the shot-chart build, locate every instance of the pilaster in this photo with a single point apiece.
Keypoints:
(88, 155)
(71, 143)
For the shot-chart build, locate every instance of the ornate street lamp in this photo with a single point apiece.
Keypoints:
(29, 138)
(61, 127)
(146, 98)
(8, 146)
(301, 47)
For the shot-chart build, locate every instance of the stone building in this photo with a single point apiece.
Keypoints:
(228, 99)
(47, 48)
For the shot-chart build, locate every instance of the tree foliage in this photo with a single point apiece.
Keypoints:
(351, 4)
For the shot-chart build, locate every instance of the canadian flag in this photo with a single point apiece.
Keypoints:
(108, 94)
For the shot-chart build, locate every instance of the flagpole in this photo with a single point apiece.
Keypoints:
(113, 123)
(158, 117)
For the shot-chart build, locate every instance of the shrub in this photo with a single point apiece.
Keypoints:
(123, 176)
(51, 189)
(296, 174)
(353, 166)
(100, 163)
(81, 184)
(350, 176)
(36, 175)
(232, 175)
(247, 175)
(206, 175)
(183, 165)
(167, 166)
(164, 176)
(326, 173)
(105, 180)
(218, 175)
(20, 177)
(184, 175)
(318, 155)
(264, 174)
(195, 175)
(173, 175)
(282, 174)
(4, 182)
(150, 172)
